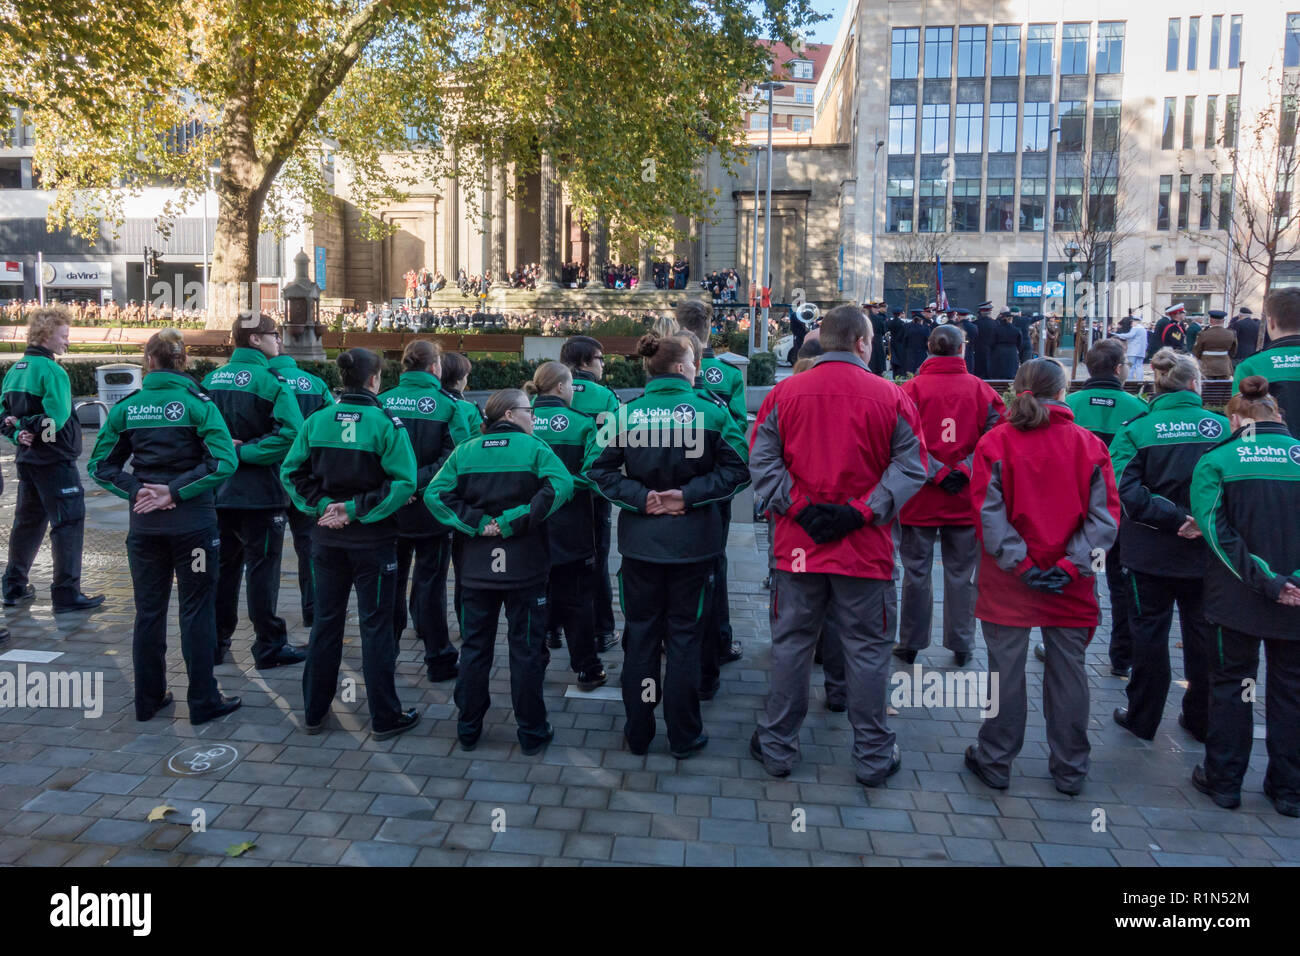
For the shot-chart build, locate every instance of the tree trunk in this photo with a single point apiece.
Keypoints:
(233, 283)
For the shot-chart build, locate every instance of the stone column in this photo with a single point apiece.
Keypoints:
(645, 273)
(451, 229)
(599, 255)
(547, 259)
(499, 220)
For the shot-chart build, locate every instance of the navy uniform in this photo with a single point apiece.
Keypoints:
(967, 325)
(984, 325)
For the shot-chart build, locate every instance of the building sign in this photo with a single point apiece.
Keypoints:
(320, 268)
(1189, 285)
(77, 275)
(11, 272)
(1033, 290)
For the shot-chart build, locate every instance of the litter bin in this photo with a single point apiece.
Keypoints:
(115, 382)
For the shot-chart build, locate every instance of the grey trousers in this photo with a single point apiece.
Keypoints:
(1065, 701)
(960, 552)
(853, 609)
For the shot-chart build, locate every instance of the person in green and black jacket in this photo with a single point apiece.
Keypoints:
(312, 394)
(1279, 359)
(586, 359)
(180, 452)
(681, 459)
(570, 590)
(36, 414)
(428, 413)
(1153, 456)
(264, 419)
(352, 467)
(1246, 499)
(498, 492)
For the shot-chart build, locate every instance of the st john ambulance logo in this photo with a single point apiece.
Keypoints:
(243, 378)
(1294, 454)
(684, 414)
(713, 375)
(559, 423)
(426, 405)
(174, 411)
(1209, 428)
(304, 384)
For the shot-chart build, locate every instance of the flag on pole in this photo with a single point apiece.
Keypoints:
(940, 297)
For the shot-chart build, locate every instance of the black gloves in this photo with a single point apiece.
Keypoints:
(954, 482)
(826, 523)
(1051, 581)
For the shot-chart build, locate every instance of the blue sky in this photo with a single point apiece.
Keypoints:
(824, 32)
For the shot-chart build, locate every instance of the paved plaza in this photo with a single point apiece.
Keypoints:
(79, 790)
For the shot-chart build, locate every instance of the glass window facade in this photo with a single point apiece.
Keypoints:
(1073, 120)
(1167, 124)
(1230, 121)
(1291, 50)
(1171, 50)
(1101, 203)
(938, 51)
(934, 128)
(902, 129)
(932, 215)
(1000, 213)
(898, 198)
(1002, 127)
(1211, 121)
(1193, 40)
(1234, 42)
(1067, 212)
(1189, 121)
(968, 136)
(1006, 51)
(1225, 201)
(1216, 35)
(1110, 47)
(1105, 124)
(1207, 201)
(1184, 199)
(966, 205)
(1033, 204)
(904, 52)
(1074, 49)
(1162, 202)
(1038, 54)
(1037, 122)
(970, 50)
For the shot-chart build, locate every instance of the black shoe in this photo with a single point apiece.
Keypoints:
(694, 747)
(27, 594)
(591, 679)
(535, 748)
(405, 721)
(905, 654)
(976, 768)
(606, 642)
(1121, 718)
(1226, 800)
(445, 672)
(1070, 789)
(553, 641)
(962, 658)
(756, 752)
(1288, 808)
(1182, 722)
(710, 691)
(638, 751)
(835, 706)
(284, 655)
(1040, 652)
(767, 583)
(1121, 671)
(895, 761)
(314, 729)
(147, 714)
(82, 602)
(228, 706)
(733, 652)
(468, 742)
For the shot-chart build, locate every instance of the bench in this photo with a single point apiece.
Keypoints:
(624, 345)
(491, 342)
(388, 344)
(214, 342)
(13, 335)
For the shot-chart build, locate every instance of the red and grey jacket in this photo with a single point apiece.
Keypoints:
(837, 434)
(956, 408)
(1044, 498)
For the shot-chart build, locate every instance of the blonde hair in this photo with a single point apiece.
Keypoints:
(42, 322)
(548, 377)
(697, 349)
(664, 326)
(1174, 371)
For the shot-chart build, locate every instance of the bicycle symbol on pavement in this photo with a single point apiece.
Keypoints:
(193, 761)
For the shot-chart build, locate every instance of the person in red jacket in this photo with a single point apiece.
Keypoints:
(1048, 510)
(956, 408)
(836, 451)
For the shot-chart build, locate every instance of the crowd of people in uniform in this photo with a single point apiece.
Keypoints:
(386, 493)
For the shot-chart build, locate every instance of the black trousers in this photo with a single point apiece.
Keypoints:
(572, 603)
(711, 648)
(603, 594)
(1154, 597)
(1121, 606)
(429, 557)
(372, 571)
(48, 496)
(301, 524)
(721, 617)
(479, 611)
(663, 605)
(192, 557)
(252, 541)
(1234, 662)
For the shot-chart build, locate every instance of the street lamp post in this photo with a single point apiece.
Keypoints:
(212, 170)
(1050, 199)
(875, 181)
(1232, 194)
(771, 86)
(753, 300)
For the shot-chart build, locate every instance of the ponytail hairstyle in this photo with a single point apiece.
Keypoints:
(660, 353)
(1253, 401)
(420, 354)
(1175, 372)
(548, 377)
(1039, 380)
(167, 349)
(502, 401)
(946, 340)
(664, 326)
(357, 367)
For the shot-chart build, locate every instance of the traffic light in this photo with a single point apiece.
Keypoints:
(152, 261)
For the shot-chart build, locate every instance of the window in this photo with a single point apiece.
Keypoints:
(1167, 129)
(1033, 203)
(1207, 203)
(1234, 42)
(1101, 204)
(902, 129)
(1162, 203)
(1073, 118)
(1282, 199)
(1202, 267)
(969, 135)
(1211, 121)
(1180, 267)
(966, 205)
(1193, 40)
(933, 213)
(1000, 211)
(1038, 55)
(1105, 124)
(1006, 51)
(1291, 53)
(1287, 130)
(1216, 33)
(1074, 49)
(1037, 122)
(1171, 52)
(938, 51)
(903, 53)
(803, 94)
(1002, 127)
(1230, 122)
(758, 121)
(934, 128)
(899, 197)
(1225, 202)
(970, 51)
(1068, 210)
(1189, 121)
(1184, 199)
(802, 69)
(801, 124)
(1110, 47)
